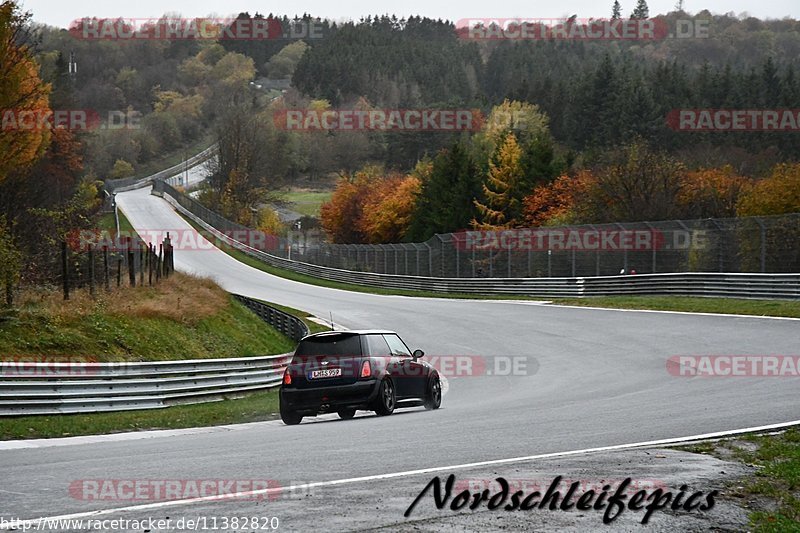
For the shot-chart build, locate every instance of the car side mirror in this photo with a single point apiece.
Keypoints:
(417, 354)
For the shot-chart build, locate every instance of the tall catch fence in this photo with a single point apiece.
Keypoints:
(746, 245)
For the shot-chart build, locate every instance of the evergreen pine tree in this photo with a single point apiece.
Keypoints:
(616, 11)
(642, 11)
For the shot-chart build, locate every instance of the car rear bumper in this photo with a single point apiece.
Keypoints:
(312, 401)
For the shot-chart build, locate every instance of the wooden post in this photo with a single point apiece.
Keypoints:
(167, 256)
(160, 263)
(150, 263)
(140, 245)
(106, 282)
(91, 269)
(119, 271)
(131, 264)
(65, 268)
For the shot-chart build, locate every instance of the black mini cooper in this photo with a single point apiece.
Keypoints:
(344, 371)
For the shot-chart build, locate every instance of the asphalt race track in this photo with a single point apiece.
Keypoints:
(593, 378)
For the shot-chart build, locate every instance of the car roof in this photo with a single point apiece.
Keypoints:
(351, 332)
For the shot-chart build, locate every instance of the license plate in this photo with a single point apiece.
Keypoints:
(327, 373)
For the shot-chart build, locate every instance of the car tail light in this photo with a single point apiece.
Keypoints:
(287, 377)
(366, 369)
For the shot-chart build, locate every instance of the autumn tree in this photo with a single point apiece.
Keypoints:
(711, 193)
(387, 212)
(340, 216)
(496, 209)
(635, 183)
(776, 195)
(558, 202)
(21, 91)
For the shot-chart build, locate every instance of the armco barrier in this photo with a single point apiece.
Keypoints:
(54, 388)
(129, 184)
(711, 284)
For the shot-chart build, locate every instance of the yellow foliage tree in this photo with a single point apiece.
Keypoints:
(387, 213)
(505, 169)
(776, 195)
(21, 91)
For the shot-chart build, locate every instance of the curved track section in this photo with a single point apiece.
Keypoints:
(600, 380)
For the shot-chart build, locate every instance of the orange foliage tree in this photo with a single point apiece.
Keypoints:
(387, 212)
(22, 95)
(370, 207)
(558, 202)
(712, 193)
(340, 217)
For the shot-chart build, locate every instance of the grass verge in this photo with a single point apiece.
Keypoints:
(730, 306)
(251, 408)
(182, 317)
(773, 492)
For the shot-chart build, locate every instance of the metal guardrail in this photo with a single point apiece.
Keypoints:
(711, 284)
(129, 184)
(289, 325)
(60, 388)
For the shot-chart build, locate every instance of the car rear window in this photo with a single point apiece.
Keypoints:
(330, 345)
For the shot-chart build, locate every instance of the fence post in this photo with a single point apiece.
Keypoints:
(65, 268)
(119, 271)
(131, 263)
(106, 281)
(140, 245)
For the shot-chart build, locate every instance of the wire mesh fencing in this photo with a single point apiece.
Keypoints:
(747, 244)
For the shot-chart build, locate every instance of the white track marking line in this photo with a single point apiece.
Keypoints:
(28, 523)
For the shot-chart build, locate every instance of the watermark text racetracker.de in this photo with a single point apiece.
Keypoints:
(578, 239)
(732, 120)
(68, 119)
(23, 366)
(728, 366)
(82, 240)
(575, 29)
(159, 490)
(448, 366)
(442, 120)
(200, 28)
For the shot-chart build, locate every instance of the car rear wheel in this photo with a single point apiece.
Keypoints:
(347, 414)
(384, 403)
(433, 396)
(290, 418)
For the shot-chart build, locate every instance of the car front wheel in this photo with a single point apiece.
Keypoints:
(384, 403)
(433, 396)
